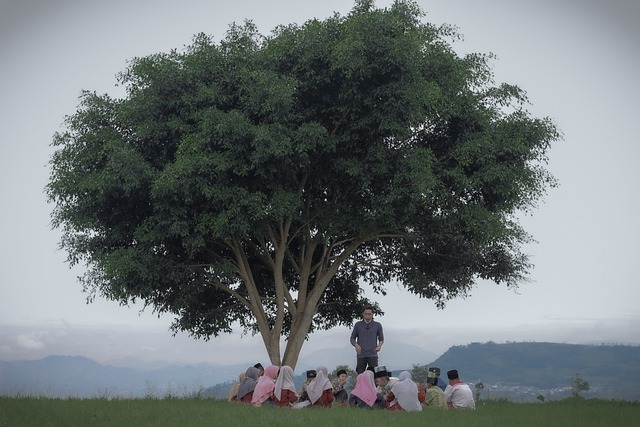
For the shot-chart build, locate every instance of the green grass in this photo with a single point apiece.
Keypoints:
(40, 412)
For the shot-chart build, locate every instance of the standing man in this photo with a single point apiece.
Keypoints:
(367, 338)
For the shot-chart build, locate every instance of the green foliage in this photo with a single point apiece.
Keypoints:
(578, 385)
(419, 373)
(260, 181)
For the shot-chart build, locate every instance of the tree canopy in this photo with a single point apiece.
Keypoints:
(261, 182)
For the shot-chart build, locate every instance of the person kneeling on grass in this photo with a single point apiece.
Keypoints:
(245, 391)
(404, 394)
(233, 392)
(435, 396)
(384, 380)
(319, 391)
(364, 395)
(285, 391)
(311, 374)
(457, 393)
(339, 393)
(263, 393)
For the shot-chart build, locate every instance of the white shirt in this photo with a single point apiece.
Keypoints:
(460, 396)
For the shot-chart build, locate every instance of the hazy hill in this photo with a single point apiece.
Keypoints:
(611, 370)
(63, 376)
(513, 370)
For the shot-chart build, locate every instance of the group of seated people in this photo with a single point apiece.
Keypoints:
(374, 388)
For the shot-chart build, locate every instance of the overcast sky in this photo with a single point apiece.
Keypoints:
(578, 61)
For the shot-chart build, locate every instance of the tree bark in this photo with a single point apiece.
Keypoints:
(299, 330)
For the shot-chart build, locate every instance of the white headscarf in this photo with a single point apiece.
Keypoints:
(284, 381)
(406, 392)
(319, 384)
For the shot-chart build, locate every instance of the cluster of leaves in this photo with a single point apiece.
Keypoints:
(579, 385)
(264, 180)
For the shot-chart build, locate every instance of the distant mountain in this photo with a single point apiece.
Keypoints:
(517, 371)
(64, 376)
(613, 371)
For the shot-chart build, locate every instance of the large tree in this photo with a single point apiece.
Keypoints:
(261, 182)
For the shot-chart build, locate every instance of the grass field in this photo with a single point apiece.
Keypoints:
(40, 412)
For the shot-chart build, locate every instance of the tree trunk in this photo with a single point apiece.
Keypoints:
(299, 330)
(272, 345)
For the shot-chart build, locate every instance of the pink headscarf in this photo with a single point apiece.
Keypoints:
(365, 388)
(266, 385)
